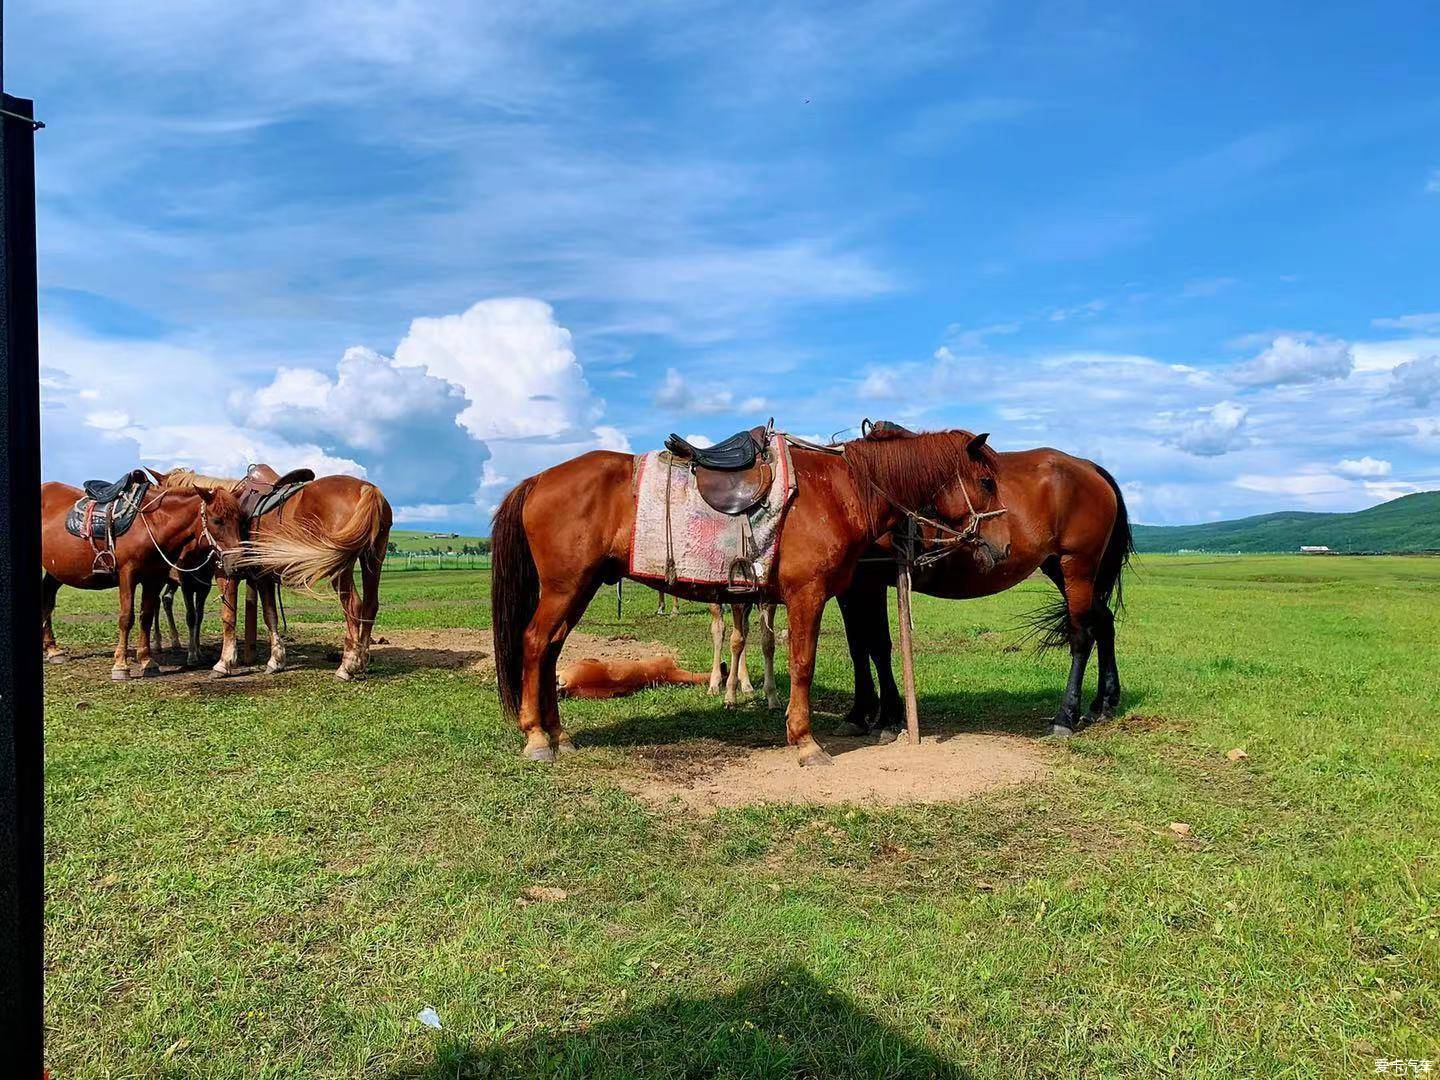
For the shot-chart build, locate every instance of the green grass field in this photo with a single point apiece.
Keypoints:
(270, 881)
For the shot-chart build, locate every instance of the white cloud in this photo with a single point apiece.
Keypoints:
(1363, 468)
(677, 395)
(1218, 432)
(1432, 184)
(1293, 359)
(1418, 380)
(701, 441)
(880, 385)
(1421, 320)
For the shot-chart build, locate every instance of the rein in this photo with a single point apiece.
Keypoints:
(204, 531)
(940, 547)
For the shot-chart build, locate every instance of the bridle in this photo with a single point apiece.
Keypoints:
(214, 545)
(939, 547)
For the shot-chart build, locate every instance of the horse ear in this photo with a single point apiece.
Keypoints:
(159, 476)
(976, 447)
(206, 494)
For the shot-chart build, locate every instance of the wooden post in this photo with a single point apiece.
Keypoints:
(251, 622)
(907, 656)
(618, 611)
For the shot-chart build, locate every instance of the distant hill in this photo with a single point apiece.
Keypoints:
(422, 540)
(1409, 523)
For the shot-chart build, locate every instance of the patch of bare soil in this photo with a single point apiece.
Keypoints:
(945, 769)
(475, 649)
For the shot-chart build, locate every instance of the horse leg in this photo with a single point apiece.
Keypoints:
(805, 610)
(268, 589)
(369, 601)
(1079, 577)
(767, 650)
(717, 639)
(195, 593)
(120, 671)
(167, 601)
(229, 661)
(661, 609)
(854, 606)
(349, 660)
(49, 586)
(1107, 693)
(149, 621)
(739, 679)
(556, 614)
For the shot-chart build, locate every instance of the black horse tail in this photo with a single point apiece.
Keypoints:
(1109, 584)
(514, 593)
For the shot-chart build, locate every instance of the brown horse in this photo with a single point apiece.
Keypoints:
(185, 529)
(590, 678)
(1068, 519)
(559, 535)
(317, 535)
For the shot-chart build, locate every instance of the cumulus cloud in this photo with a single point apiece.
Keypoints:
(1218, 432)
(678, 395)
(1417, 380)
(1295, 359)
(1363, 468)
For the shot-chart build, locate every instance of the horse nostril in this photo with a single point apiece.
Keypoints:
(1006, 553)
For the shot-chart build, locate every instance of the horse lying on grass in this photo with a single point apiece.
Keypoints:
(561, 534)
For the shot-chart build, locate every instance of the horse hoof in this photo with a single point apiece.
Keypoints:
(149, 671)
(56, 658)
(886, 735)
(343, 674)
(120, 674)
(564, 746)
(271, 667)
(848, 729)
(816, 757)
(1059, 732)
(222, 670)
(538, 753)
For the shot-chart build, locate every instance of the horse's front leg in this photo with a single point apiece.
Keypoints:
(738, 680)
(804, 610)
(229, 662)
(149, 621)
(49, 586)
(167, 601)
(195, 594)
(120, 671)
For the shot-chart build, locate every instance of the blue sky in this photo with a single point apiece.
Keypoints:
(449, 244)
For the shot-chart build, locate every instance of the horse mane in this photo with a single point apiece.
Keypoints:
(189, 478)
(912, 471)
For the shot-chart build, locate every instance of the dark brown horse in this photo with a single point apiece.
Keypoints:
(317, 535)
(559, 535)
(186, 529)
(1066, 518)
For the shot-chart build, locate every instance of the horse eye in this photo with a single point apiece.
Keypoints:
(988, 484)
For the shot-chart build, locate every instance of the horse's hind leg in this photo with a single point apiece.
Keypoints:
(195, 593)
(739, 678)
(857, 609)
(1078, 575)
(767, 650)
(1107, 693)
(49, 586)
(268, 589)
(120, 670)
(717, 639)
(556, 615)
(167, 601)
(349, 660)
(371, 564)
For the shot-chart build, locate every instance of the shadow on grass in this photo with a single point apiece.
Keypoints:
(943, 713)
(786, 1024)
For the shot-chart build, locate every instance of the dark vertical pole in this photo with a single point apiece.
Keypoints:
(22, 849)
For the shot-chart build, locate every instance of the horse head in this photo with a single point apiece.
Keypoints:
(221, 527)
(972, 507)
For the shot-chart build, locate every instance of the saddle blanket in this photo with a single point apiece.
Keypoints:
(704, 543)
(108, 520)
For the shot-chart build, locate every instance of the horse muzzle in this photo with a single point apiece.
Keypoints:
(988, 555)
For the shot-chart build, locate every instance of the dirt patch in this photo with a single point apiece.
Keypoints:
(475, 649)
(945, 769)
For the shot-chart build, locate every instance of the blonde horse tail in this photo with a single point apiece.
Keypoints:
(303, 556)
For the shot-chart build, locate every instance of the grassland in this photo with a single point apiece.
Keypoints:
(273, 882)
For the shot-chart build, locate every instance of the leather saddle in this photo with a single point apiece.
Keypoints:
(263, 489)
(733, 475)
(883, 430)
(108, 509)
(103, 492)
